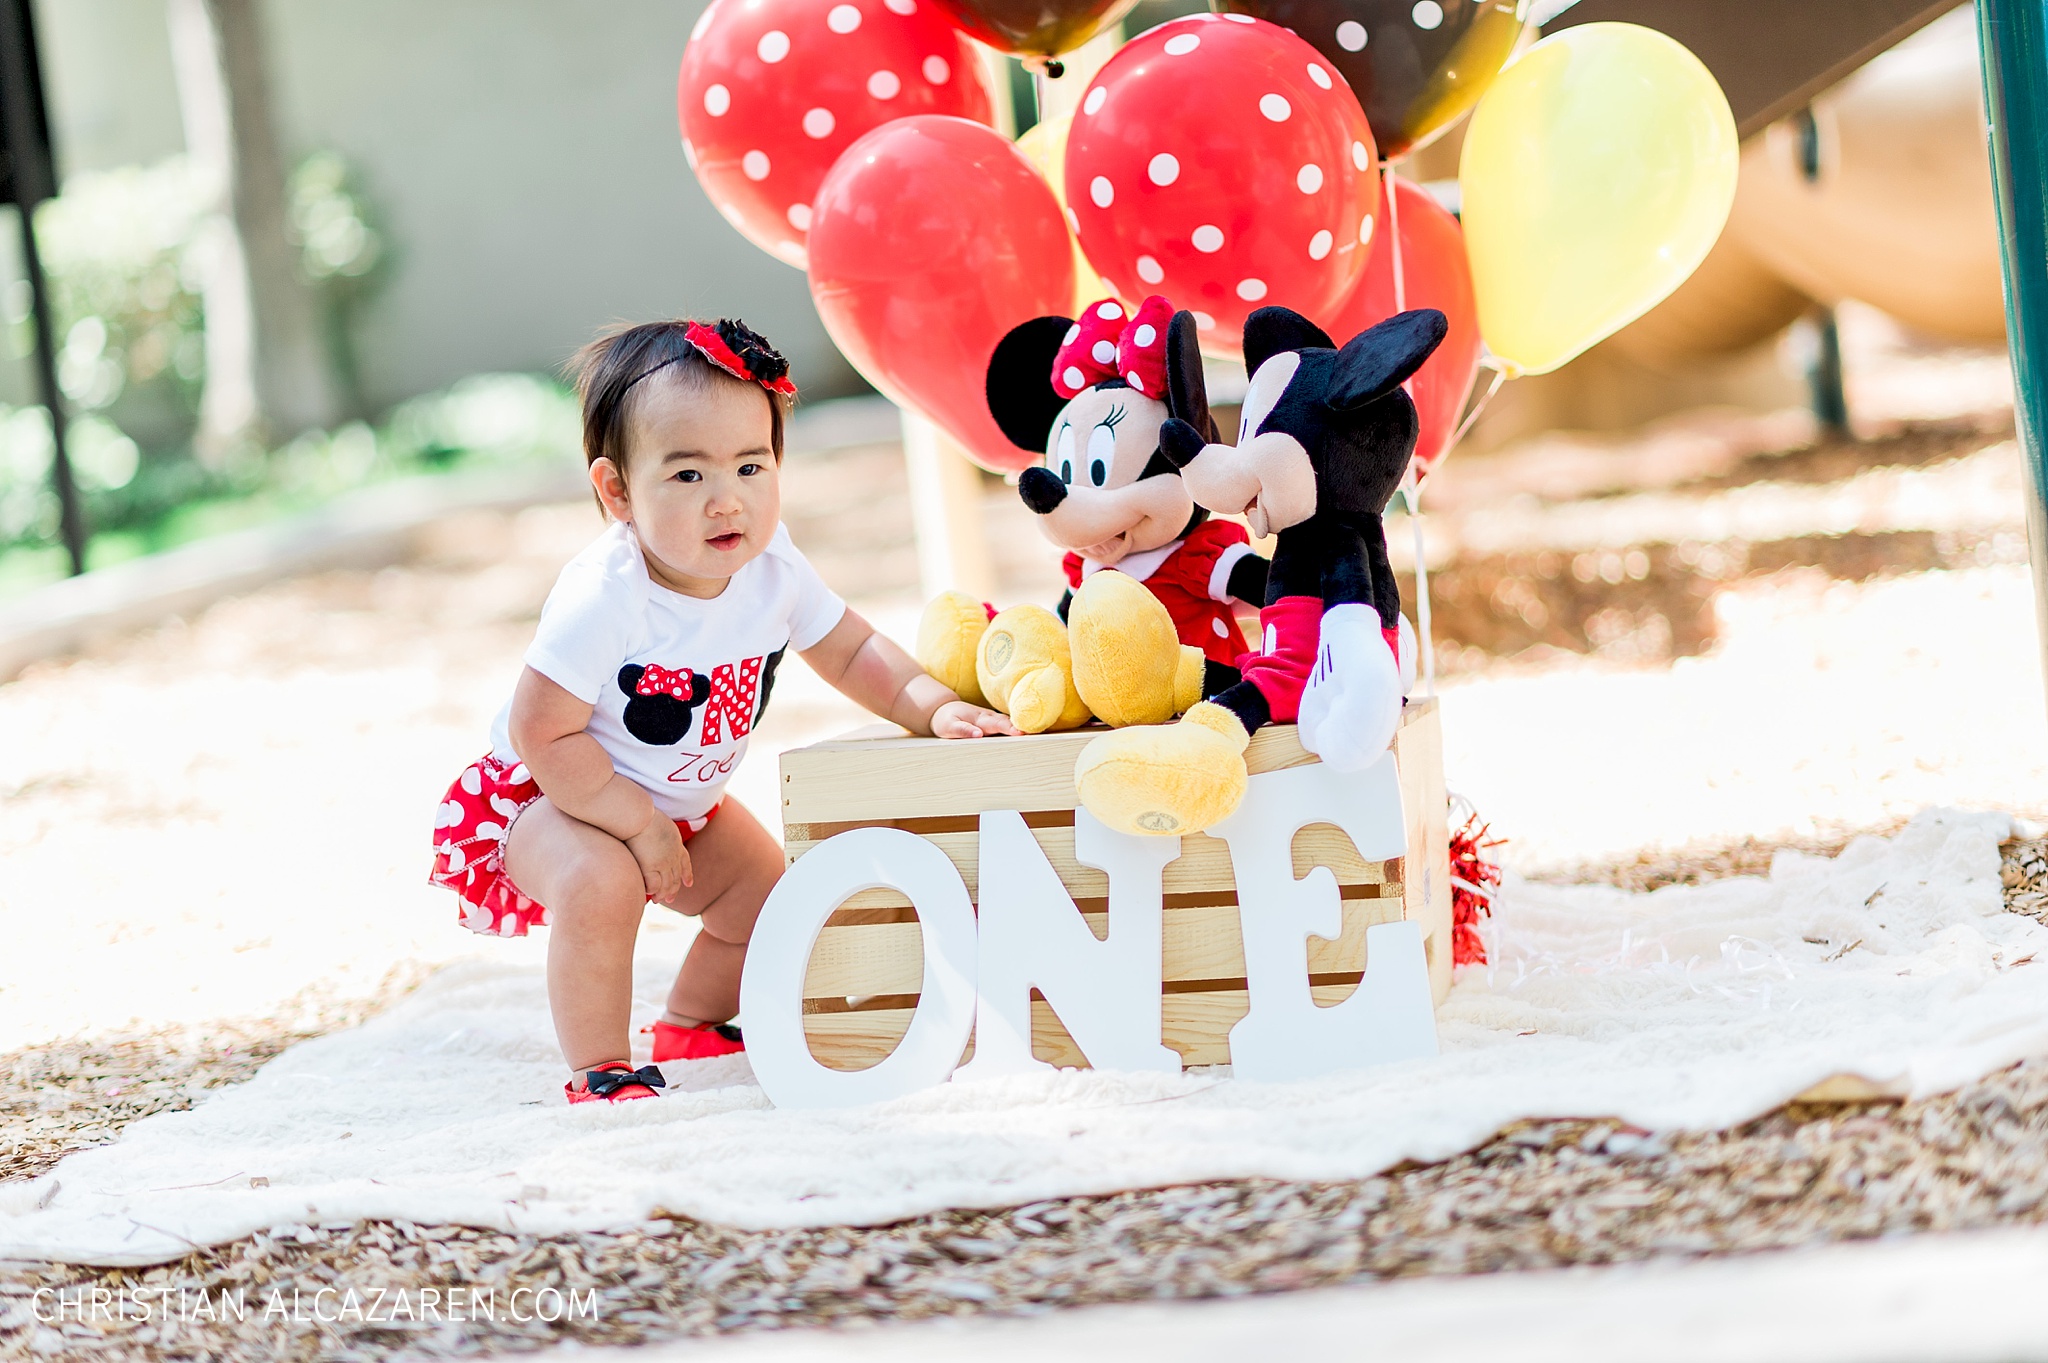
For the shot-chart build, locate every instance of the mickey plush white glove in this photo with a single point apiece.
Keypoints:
(1352, 703)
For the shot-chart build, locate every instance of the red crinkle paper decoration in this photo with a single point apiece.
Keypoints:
(1469, 864)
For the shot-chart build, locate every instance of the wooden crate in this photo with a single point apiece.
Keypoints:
(868, 964)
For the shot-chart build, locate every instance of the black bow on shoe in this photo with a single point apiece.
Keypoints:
(604, 1083)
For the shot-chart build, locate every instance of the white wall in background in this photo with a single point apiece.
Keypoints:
(522, 154)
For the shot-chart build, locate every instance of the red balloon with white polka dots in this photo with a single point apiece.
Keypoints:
(1222, 161)
(772, 91)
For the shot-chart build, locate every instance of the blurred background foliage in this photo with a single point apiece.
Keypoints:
(121, 250)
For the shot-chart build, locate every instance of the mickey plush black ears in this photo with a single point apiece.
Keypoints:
(1020, 393)
(1376, 361)
(1269, 331)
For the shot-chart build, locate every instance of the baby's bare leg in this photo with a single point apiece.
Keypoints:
(595, 896)
(736, 863)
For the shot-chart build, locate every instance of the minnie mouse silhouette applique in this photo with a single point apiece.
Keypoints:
(660, 703)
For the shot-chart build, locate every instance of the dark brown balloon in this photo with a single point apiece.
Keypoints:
(1034, 28)
(1416, 65)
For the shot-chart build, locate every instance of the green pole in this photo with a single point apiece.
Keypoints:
(2014, 38)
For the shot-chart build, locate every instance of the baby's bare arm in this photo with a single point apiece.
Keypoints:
(868, 667)
(573, 771)
(547, 732)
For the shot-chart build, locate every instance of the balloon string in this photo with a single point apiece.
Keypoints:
(1413, 493)
(1394, 231)
(1500, 376)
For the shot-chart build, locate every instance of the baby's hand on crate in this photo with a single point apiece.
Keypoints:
(958, 719)
(664, 861)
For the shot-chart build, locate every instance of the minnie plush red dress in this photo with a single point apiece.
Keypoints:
(1197, 578)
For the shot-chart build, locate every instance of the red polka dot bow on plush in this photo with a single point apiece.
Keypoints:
(659, 681)
(1108, 343)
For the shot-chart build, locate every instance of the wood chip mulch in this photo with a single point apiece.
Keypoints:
(1538, 1195)
(71, 1094)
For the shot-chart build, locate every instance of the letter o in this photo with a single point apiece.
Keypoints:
(772, 987)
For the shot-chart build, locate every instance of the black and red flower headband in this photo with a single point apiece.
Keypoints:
(713, 347)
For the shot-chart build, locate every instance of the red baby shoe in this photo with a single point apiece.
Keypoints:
(617, 1082)
(694, 1043)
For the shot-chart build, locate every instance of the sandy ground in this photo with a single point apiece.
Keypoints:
(1828, 706)
(1851, 1302)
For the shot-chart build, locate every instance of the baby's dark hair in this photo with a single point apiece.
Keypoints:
(609, 371)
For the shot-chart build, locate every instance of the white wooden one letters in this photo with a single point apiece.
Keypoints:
(1107, 993)
(1032, 935)
(1389, 1016)
(772, 987)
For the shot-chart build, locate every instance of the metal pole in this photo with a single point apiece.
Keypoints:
(27, 178)
(69, 516)
(1824, 376)
(1824, 379)
(2014, 38)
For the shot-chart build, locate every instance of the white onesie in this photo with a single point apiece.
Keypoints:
(677, 682)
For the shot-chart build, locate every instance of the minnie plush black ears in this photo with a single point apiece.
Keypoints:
(1025, 404)
(1020, 393)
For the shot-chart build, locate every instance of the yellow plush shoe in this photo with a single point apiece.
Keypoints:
(948, 638)
(1187, 681)
(1127, 658)
(1166, 779)
(1027, 671)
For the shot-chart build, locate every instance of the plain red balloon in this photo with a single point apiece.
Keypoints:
(772, 91)
(1222, 161)
(930, 239)
(1435, 274)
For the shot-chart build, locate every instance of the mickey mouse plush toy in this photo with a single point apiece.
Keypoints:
(1093, 395)
(1327, 434)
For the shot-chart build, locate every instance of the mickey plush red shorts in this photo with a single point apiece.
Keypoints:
(1290, 633)
(469, 846)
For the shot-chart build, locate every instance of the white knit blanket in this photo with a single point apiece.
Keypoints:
(1692, 1007)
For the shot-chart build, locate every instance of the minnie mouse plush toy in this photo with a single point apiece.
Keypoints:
(1151, 579)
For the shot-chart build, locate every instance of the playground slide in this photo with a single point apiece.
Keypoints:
(1882, 194)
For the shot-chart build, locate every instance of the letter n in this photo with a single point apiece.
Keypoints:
(731, 706)
(1106, 992)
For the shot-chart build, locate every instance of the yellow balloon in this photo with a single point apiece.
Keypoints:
(1045, 146)
(1596, 175)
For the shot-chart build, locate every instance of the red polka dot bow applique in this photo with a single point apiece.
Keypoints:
(1107, 343)
(659, 681)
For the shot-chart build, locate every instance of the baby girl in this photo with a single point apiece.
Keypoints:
(656, 652)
